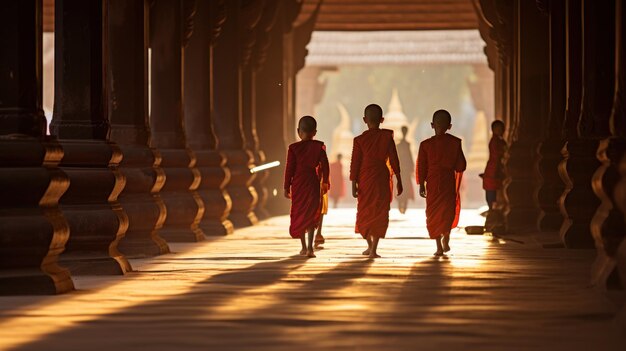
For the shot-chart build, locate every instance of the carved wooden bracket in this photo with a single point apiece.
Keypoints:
(189, 12)
(251, 14)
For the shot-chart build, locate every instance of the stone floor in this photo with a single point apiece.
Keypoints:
(249, 291)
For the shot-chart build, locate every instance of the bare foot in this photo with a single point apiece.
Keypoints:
(310, 254)
(366, 252)
(303, 252)
(374, 255)
(445, 242)
(438, 253)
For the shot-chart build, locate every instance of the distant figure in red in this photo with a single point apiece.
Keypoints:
(374, 161)
(494, 174)
(406, 162)
(306, 179)
(338, 190)
(440, 166)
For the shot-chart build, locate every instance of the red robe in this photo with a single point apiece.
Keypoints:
(440, 163)
(493, 176)
(336, 179)
(406, 162)
(307, 165)
(374, 161)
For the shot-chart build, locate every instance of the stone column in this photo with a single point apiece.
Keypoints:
(618, 125)
(579, 202)
(127, 75)
(549, 150)
(184, 206)
(494, 31)
(228, 118)
(254, 54)
(97, 222)
(270, 101)
(33, 231)
(607, 226)
(531, 90)
(199, 119)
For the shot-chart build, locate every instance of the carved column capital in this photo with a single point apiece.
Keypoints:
(189, 12)
(218, 17)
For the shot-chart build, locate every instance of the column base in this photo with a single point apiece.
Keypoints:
(146, 217)
(523, 211)
(578, 203)
(217, 202)
(93, 265)
(243, 195)
(241, 220)
(140, 200)
(35, 282)
(184, 206)
(551, 186)
(96, 220)
(33, 232)
(241, 216)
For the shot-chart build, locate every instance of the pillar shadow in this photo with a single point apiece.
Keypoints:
(292, 307)
(179, 322)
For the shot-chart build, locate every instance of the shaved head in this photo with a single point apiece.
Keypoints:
(442, 118)
(373, 113)
(497, 124)
(307, 124)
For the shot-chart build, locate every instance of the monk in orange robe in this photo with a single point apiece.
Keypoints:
(374, 161)
(306, 180)
(335, 193)
(494, 173)
(440, 165)
(336, 179)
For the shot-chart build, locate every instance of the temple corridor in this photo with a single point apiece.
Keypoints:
(249, 291)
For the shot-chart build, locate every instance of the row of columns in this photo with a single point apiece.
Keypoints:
(153, 134)
(559, 75)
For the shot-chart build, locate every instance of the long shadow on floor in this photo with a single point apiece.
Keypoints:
(293, 307)
(176, 323)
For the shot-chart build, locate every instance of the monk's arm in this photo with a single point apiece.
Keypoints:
(290, 169)
(325, 168)
(394, 161)
(421, 170)
(355, 167)
(461, 163)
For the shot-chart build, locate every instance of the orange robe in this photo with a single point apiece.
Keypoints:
(306, 168)
(440, 163)
(336, 179)
(406, 163)
(374, 161)
(494, 174)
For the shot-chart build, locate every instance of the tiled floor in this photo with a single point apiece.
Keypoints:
(249, 291)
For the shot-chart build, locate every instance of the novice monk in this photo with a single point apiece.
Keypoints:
(373, 153)
(336, 179)
(335, 193)
(406, 162)
(319, 238)
(306, 179)
(440, 163)
(493, 176)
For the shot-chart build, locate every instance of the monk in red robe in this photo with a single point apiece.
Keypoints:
(336, 179)
(335, 193)
(440, 165)
(306, 180)
(406, 162)
(374, 161)
(494, 174)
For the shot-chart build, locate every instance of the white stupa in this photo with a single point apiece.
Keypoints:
(342, 137)
(395, 118)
